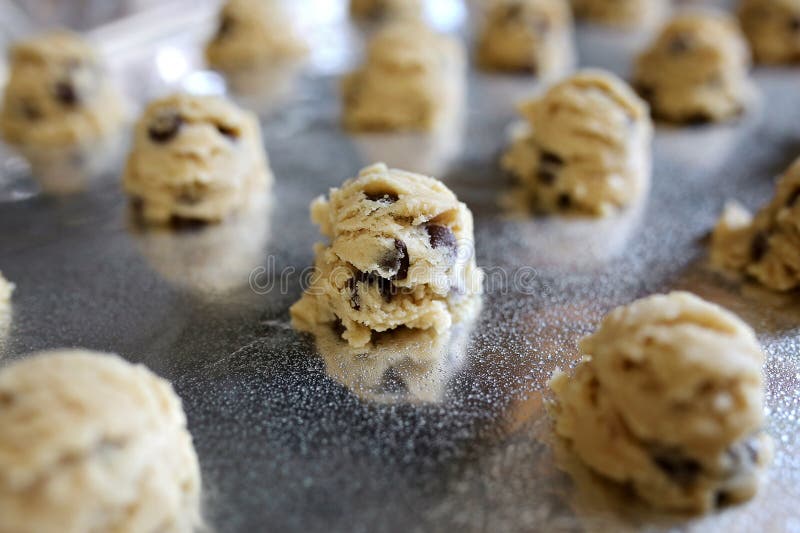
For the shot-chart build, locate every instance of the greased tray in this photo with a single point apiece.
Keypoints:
(285, 445)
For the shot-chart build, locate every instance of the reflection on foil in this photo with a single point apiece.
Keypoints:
(262, 90)
(68, 170)
(402, 366)
(213, 258)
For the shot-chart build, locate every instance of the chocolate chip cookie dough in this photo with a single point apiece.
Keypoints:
(766, 246)
(668, 400)
(400, 255)
(586, 147)
(696, 70)
(384, 10)
(93, 443)
(623, 13)
(773, 29)
(413, 79)
(528, 36)
(58, 94)
(253, 33)
(195, 158)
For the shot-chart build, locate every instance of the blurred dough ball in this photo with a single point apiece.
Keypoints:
(773, 29)
(91, 443)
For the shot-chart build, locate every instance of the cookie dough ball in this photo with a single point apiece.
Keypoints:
(668, 400)
(766, 246)
(195, 158)
(400, 255)
(586, 147)
(528, 35)
(253, 33)
(697, 70)
(413, 79)
(382, 10)
(773, 29)
(622, 13)
(58, 94)
(93, 443)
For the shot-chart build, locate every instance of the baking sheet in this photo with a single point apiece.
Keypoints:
(285, 445)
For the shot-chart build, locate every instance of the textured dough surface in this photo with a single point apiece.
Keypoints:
(533, 36)
(669, 399)
(195, 158)
(91, 443)
(586, 148)
(767, 246)
(253, 33)
(773, 29)
(696, 70)
(413, 79)
(400, 254)
(384, 10)
(623, 13)
(58, 94)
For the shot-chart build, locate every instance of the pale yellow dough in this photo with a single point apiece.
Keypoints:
(767, 246)
(253, 33)
(400, 255)
(58, 94)
(669, 401)
(773, 29)
(197, 158)
(413, 79)
(696, 70)
(91, 443)
(386, 10)
(622, 13)
(533, 36)
(586, 147)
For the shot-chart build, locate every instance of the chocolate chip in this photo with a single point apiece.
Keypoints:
(66, 94)
(646, 92)
(383, 197)
(355, 299)
(679, 44)
(792, 199)
(187, 223)
(392, 381)
(549, 158)
(338, 327)
(698, 119)
(30, 111)
(226, 131)
(396, 260)
(759, 246)
(226, 26)
(165, 127)
(513, 12)
(385, 286)
(681, 469)
(564, 201)
(794, 24)
(441, 237)
(546, 176)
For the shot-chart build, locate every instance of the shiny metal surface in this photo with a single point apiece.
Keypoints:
(285, 446)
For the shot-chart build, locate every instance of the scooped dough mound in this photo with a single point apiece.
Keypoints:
(401, 254)
(669, 400)
(586, 147)
(92, 443)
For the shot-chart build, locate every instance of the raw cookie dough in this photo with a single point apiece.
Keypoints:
(623, 13)
(195, 158)
(386, 9)
(668, 400)
(93, 443)
(58, 94)
(767, 246)
(586, 147)
(528, 35)
(413, 79)
(400, 256)
(773, 29)
(696, 70)
(253, 33)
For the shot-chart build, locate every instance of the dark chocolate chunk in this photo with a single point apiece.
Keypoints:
(30, 111)
(66, 93)
(441, 237)
(355, 300)
(679, 44)
(759, 246)
(383, 197)
(396, 260)
(546, 176)
(698, 119)
(681, 469)
(549, 158)
(794, 24)
(338, 327)
(385, 286)
(229, 132)
(513, 12)
(646, 92)
(165, 126)
(564, 201)
(792, 199)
